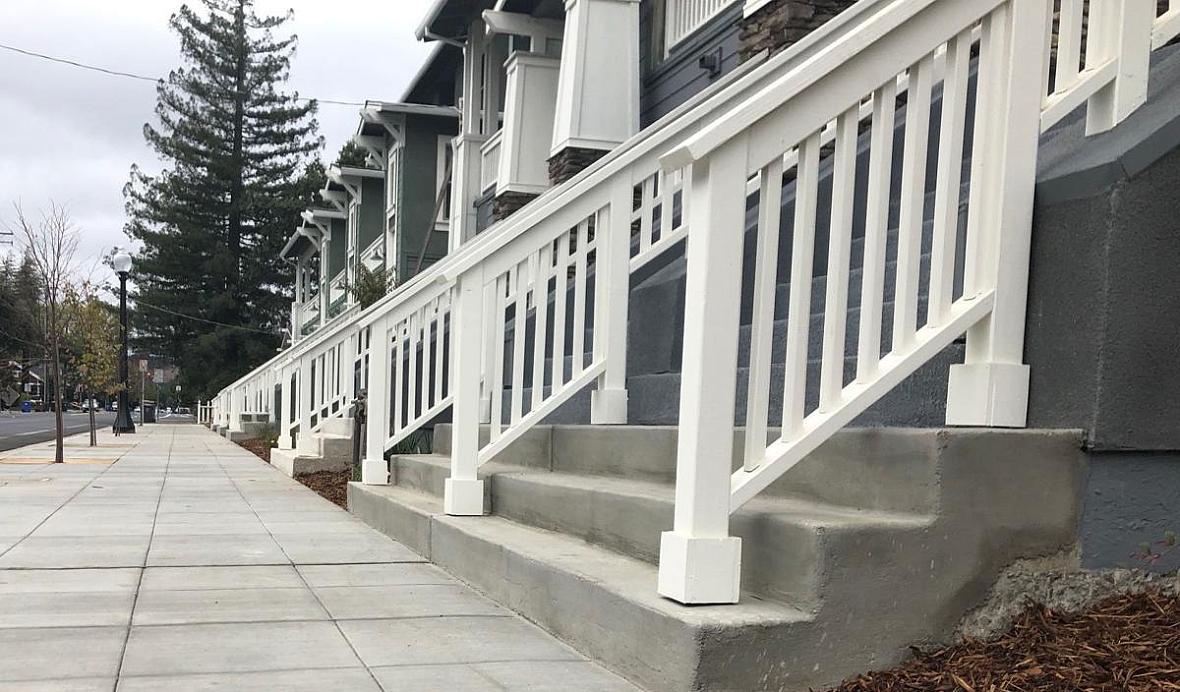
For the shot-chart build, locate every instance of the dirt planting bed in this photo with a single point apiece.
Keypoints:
(331, 485)
(1129, 641)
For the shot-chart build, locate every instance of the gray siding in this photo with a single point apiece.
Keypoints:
(670, 81)
(338, 248)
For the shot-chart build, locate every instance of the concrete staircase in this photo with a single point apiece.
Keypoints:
(880, 539)
(329, 449)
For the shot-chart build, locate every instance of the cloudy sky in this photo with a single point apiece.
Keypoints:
(71, 135)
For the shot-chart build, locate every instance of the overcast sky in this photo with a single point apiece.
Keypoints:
(71, 135)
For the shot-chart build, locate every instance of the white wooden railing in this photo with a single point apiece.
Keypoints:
(504, 330)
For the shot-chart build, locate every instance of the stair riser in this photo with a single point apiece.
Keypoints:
(919, 401)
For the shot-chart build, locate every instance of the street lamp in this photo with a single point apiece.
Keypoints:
(121, 262)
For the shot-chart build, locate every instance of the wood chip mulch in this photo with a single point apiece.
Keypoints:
(331, 485)
(260, 448)
(1127, 642)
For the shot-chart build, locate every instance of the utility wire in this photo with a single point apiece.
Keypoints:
(202, 319)
(145, 78)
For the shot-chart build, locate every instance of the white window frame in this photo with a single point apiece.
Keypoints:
(682, 18)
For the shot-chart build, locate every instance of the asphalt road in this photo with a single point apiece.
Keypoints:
(20, 429)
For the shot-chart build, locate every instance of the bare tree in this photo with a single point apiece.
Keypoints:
(51, 242)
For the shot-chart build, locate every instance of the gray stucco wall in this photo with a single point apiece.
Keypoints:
(1103, 327)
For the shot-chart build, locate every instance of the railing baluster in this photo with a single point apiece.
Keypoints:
(646, 209)
(872, 288)
(496, 367)
(1069, 44)
(839, 249)
(413, 373)
(913, 200)
(950, 175)
(799, 309)
(579, 335)
(762, 322)
(519, 321)
(440, 347)
(560, 291)
(541, 322)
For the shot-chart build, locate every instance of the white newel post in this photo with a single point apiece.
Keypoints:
(598, 85)
(378, 394)
(699, 561)
(1119, 29)
(463, 494)
(304, 404)
(991, 387)
(235, 409)
(612, 288)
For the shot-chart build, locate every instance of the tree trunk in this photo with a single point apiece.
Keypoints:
(93, 427)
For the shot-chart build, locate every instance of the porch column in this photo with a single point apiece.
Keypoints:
(598, 88)
(529, 107)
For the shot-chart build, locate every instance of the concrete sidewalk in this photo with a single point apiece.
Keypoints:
(176, 560)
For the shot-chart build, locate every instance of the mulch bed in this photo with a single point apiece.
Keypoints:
(331, 485)
(260, 448)
(1129, 642)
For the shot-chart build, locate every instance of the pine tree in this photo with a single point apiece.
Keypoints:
(239, 166)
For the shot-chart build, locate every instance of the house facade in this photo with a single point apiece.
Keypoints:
(820, 314)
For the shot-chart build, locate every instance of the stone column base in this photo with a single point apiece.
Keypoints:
(571, 161)
(509, 203)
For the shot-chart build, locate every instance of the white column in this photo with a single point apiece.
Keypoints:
(612, 289)
(529, 105)
(374, 467)
(598, 90)
(303, 404)
(464, 491)
(235, 410)
(991, 387)
(1119, 30)
(699, 561)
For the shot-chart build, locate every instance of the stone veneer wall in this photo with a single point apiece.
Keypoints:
(509, 203)
(781, 23)
(570, 161)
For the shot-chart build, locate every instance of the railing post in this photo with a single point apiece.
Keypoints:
(303, 402)
(699, 561)
(1119, 30)
(612, 288)
(463, 494)
(374, 468)
(991, 387)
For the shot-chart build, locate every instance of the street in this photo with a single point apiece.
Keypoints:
(19, 429)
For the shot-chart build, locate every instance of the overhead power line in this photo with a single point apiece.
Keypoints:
(202, 319)
(140, 77)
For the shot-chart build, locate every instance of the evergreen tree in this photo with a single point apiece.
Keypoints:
(239, 167)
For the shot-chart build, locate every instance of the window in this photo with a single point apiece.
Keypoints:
(682, 17)
(391, 181)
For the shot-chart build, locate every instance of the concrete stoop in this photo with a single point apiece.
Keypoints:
(879, 540)
(330, 449)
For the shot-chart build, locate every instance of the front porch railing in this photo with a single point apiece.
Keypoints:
(515, 322)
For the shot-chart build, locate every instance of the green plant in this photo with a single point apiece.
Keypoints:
(418, 442)
(371, 285)
(272, 435)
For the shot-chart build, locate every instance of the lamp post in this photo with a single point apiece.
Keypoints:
(122, 266)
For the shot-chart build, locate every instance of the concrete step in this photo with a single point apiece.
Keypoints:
(850, 586)
(601, 603)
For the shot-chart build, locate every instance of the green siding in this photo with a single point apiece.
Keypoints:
(338, 248)
(418, 192)
(372, 212)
